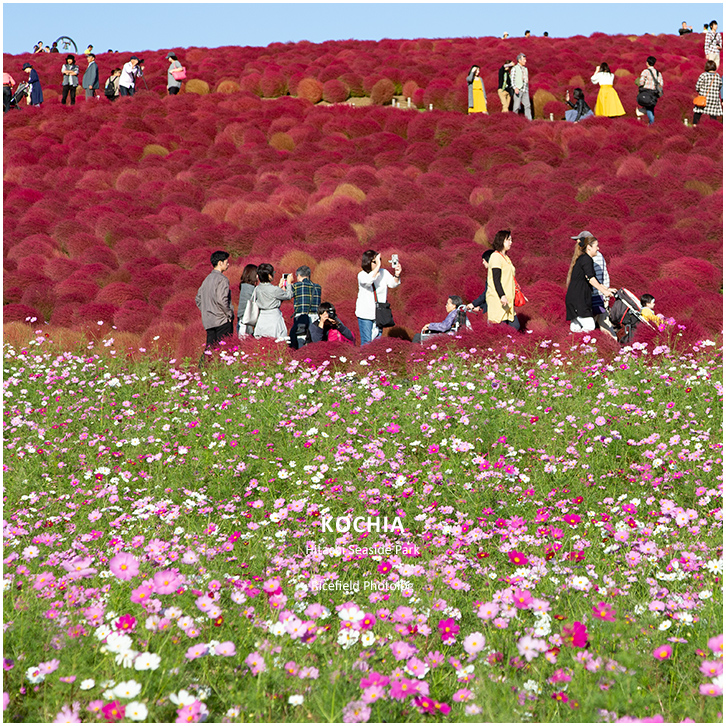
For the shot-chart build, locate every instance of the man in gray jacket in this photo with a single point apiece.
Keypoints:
(520, 83)
(90, 77)
(214, 300)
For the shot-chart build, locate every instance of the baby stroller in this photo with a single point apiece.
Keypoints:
(461, 321)
(20, 92)
(625, 315)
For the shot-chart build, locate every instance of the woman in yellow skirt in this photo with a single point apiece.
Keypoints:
(608, 101)
(477, 94)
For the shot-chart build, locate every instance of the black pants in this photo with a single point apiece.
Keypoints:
(66, 91)
(214, 335)
(304, 322)
(7, 97)
(173, 90)
(123, 91)
(512, 323)
(697, 118)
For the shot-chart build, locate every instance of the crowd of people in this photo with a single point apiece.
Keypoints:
(514, 96)
(121, 81)
(259, 312)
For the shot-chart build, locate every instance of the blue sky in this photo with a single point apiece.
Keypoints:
(152, 26)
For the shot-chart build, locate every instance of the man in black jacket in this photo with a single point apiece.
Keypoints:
(505, 86)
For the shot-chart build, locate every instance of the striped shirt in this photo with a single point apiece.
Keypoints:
(647, 79)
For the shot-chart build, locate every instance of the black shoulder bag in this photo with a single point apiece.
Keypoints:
(384, 316)
(647, 98)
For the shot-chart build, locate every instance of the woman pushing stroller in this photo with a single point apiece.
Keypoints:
(581, 282)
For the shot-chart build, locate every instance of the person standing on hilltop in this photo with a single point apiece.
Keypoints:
(90, 77)
(650, 82)
(70, 79)
(477, 92)
(36, 92)
(505, 90)
(129, 73)
(713, 43)
(685, 29)
(214, 300)
(520, 85)
(608, 101)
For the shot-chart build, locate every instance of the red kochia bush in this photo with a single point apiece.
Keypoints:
(311, 89)
(335, 91)
(382, 92)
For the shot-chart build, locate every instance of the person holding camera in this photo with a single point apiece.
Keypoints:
(129, 73)
(373, 284)
(328, 328)
(269, 297)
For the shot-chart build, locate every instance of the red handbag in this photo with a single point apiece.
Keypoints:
(519, 297)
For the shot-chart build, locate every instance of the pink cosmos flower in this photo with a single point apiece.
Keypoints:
(141, 594)
(113, 711)
(124, 565)
(488, 611)
(227, 648)
(603, 611)
(356, 712)
(663, 652)
(711, 668)
(522, 599)
(373, 694)
(166, 582)
(474, 643)
(196, 651)
(256, 663)
(576, 636)
(69, 714)
(448, 629)
(518, 558)
(191, 713)
(402, 688)
(402, 651)
(374, 679)
(716, 644)
(710, 689)
(48, 667)
(126, 623)
(463, 694)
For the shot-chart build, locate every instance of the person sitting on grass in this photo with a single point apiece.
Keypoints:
(647, 304)
(449, 323)
(328, 328)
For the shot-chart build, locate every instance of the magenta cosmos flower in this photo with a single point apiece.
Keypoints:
(663, 652)
(124, 566)
(603, 611)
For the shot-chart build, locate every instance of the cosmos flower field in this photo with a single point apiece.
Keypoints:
(557, 554)
(489, 527)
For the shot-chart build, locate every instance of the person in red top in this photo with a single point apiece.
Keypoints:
(8, 83)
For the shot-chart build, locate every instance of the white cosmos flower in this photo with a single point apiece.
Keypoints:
(87, 684)
(277, 629)
(368, 638)
(183, 698)
(346, 638)
(127, 689)
(136, 711)
(34, 675)
(665, 625)
(126, 659)
(118, 642)
(296, 700)
(147, 662)
(102, 632)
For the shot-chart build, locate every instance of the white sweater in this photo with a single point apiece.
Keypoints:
(365, 306)
(604, 79)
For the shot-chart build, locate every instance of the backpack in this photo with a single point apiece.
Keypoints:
(109, 89)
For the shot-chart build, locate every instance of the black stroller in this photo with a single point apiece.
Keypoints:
(20, 92)
(625, 315)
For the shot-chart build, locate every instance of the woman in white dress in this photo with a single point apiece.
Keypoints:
(608, 101)
(269, 297)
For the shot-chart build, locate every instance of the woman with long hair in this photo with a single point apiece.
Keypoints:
(581, 280)
(269, 297)
(477, 93)
(500, 282)
(579, 109)
(608, 101)
(247, 283)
